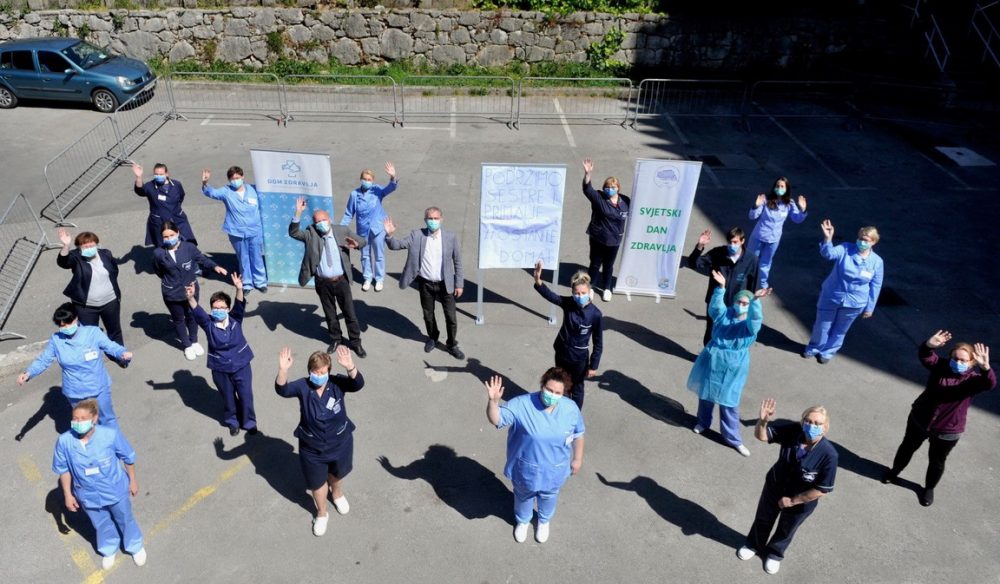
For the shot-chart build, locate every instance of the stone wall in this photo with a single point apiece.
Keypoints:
(254, 36)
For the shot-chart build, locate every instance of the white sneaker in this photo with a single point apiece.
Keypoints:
(542, 533)
(745, 553)
(378, 285)
(521, 532)
(367, 285)
(743, 450)
(189, 353)
(139, 557)
(198, 349)
(319, 525)
(342, 506)
(698, 429)
(606, 296)
(772, 565)
(108, 561)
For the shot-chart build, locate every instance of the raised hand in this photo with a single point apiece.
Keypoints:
(767, 409)
(390, 169)
(137, 170)
(981, 353)
(64, 237)
(761, 199)
(827, 228)
(538, 272)
(285, 359)
(938, 339)
(588, 166)
(237, 280)
(802, 203)
(494, 388)
(221, 271)
(719, 278)
(300, 206)
(390, 227)
(704, 238)
(205, 175)
(344, 358)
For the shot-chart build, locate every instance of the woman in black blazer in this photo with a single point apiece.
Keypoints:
(177, 264)
(94, 286)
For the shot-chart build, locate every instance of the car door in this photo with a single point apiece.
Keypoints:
(17, 71)
(60, 78)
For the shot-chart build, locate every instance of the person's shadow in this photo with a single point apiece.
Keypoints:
(390, 321)
(141, 258)
(460, 482)
(276, 462)
(648, 337)
(479, 371)
(300, 319)
(635, 394)
(870, 469)
(772, 337)
(194, 391)
(55, 406)
(69, 521)
(156, 326)
(690, 517)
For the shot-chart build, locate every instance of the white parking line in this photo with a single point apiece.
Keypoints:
(807, 150)
(208, 122)
(453, 129)
(565, 124)
(961, 183)
(426, 128)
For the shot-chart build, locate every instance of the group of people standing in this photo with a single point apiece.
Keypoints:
(545, 439)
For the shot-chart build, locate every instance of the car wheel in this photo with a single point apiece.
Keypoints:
(7, 98)
(105, 101)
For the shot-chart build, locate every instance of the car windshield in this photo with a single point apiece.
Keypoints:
(85, 55)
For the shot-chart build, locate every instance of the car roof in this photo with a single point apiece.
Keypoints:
(56, 43)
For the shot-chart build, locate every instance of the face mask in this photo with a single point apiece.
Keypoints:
(734, 249)
(863, 245)
(70, 329)
(322, 226)
(811, 431)
(366, 184)
(581, 299)
(236, 183)
(82, 427)
(741, 308)
(170, 242)
(318, 380)
(549, 399)
(88, 252)
(433, 224)
(219, 314)
(780, 191)
(159, 178)
(610, 191)
(958, 367)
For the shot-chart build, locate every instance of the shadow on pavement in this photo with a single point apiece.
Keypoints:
(635, 394)
(194, 391)
(388, 320)
(480, 372)
(69, 521)
(648, 337)
(55, 406)
(276, 462)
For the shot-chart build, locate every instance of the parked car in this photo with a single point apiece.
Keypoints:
(68, 69)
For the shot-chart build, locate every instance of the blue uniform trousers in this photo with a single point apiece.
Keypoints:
(237, 394)
(524, 503)
(376, 249)
(105, 411)
(829, 330)
(729, 421)
(250, 252)
(788, 520)
(765, 255)
(114, 523)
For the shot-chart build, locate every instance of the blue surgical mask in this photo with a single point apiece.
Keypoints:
(88, 252)
(236, 183)
(318, 380)
(433, 224)
(958, 367)
(159, 178)
(734, 249)
(780, 191)
(82, 427)
(581, 299)
(171, 242)
(70, 329)
(863, 245)
(812, 431)
(610, 191)
(549, 399)
(741, 308)
(366, 184)
(219, 314)
(322, 226)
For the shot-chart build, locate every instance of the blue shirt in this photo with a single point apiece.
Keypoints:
(771, 221)
(83, 371)
(323, 422)
(330, 264)
(798, 470)
(539, 443)
(242, 213)
(228, 349)
(854, 282)
(580, 323)
(98, 477)
(367, 206)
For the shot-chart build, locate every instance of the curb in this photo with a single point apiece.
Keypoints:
(14, 362)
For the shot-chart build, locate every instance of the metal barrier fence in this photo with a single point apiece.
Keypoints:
(210, 94)
(138, 118)
(984, 29)
(936, 45)
(689, 98)
(488, 97)
(22, 239)
(323, 96)
(604, 99)
(80, 167)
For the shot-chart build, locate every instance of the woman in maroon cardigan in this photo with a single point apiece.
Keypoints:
(938, 414)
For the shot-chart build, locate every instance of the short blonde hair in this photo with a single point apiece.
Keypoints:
(869, 231)
(87, 405)
(962, 347)
(818, 410)
(580, 278)
(611, 180)
(369, 172)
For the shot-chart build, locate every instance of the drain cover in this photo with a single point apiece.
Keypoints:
(964, 156)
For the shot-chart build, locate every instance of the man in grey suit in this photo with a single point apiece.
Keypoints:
(327, 260)
(434, 262)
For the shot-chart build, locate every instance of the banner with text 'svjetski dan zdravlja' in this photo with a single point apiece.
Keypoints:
(662, 199)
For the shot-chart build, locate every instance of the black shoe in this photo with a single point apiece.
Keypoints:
(332, 348)
(822, 360)
(234, 430)
(359, 350)
(927, 498)
(889, 477)
(456, 352)
(262, 289)
(253, 431)
(123, 364)
(429, 345)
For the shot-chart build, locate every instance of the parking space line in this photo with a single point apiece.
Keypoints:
(807, 150)
(426, 128)
(961, 183)
(453, 129)
(208, 122)
(565, 124)
(677, 130)
(711, 176)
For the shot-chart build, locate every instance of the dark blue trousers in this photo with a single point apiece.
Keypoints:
(237, 394)
(788, 521)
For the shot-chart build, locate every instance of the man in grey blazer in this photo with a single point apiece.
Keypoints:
(434, 263)
(327, 260)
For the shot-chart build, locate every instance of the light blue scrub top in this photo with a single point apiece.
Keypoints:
(770, 222)
(81, 359)
(367, 206)
(242, 215)
(98, 477)
(540, 444)
(854, 282)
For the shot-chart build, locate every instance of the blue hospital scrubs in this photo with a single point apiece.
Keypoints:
(83, 372)
(100, 485)
(229, 357)
(366, 207)
(851, 288)
(721, 369)
(539, 450)
(245, 230)
(766, 234)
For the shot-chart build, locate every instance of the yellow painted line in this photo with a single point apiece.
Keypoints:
(29, 469)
